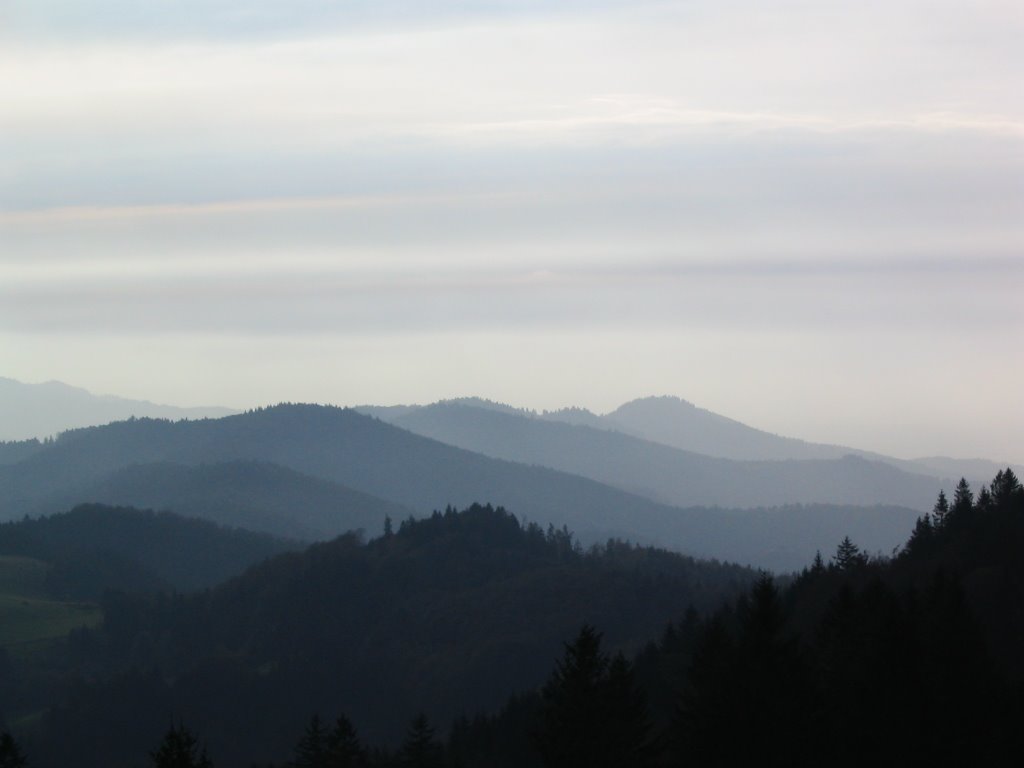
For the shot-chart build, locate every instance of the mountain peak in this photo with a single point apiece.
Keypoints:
(663, 402)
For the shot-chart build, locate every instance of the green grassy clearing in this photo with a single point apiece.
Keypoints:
(27, 616)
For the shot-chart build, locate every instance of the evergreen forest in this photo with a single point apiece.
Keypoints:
(469, 638)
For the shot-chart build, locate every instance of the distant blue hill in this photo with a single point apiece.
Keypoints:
(42, 410)
(314, 445)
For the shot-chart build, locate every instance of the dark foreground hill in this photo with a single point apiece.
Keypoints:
(94, 548)
(344, 447)
(447, 615)
(913, 660)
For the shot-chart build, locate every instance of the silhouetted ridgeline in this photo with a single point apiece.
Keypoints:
(309, 471)
(682, 478)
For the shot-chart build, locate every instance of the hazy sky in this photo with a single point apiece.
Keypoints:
(807, 216)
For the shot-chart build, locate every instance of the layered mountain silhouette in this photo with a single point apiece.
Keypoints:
(314, 444)
(661, 473)
(40, 410)
(677, 423)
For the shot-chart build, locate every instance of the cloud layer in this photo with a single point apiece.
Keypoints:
(618, 190)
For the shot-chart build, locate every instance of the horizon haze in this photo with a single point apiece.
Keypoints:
(46, 409)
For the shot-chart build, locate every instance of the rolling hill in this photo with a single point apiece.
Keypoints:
(384, 461)
(95, 547)
(664, 474)
(255, 495)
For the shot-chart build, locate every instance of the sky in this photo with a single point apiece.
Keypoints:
(806, 216)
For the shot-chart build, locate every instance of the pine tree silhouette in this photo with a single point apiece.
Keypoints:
(963, 501)
(10, 753)
(421, 749)
(179, 749)
(343, 747)
(848, 555)
(594, 714)
(940, 510)
(310, 752)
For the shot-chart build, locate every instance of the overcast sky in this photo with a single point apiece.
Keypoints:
(807, 216)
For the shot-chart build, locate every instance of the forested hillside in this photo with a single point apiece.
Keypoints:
(911, 660)
(370, 458)
(93, 548)
(14, 451)
(447, 615)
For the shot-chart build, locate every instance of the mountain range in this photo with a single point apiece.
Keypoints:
(662, 473)
(331, 460)
(656, 470)
(676, 423)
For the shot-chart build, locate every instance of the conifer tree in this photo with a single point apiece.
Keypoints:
(10, 753)
(179, 749)
(311, 750)
(818, 566)
(940, 510)
(421, 749)
(848, 555)
(1005, 486)
(594, 715)
(984, 501)
(963, 500)
(762, 618)
(343, 749)
(923, 531)
(627, 719)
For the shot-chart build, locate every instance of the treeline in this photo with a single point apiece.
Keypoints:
(862, 659)
(13, 451)
(94, 548)
(444, 615)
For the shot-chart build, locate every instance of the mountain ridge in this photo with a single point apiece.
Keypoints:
(48, 408)
(421, 474)
(665, 474)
